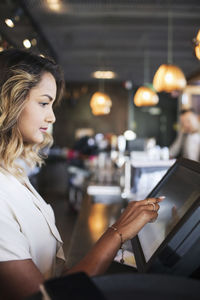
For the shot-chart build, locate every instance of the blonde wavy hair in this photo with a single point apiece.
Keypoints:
(18, 77)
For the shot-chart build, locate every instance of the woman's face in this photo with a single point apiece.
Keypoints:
(189, 122)
(38, 111)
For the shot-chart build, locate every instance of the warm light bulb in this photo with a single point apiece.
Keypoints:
(54, 4)
(146, 95)
(197, 51)
(104, 74)
(27, 43)
(168, 77)
(197, 45)
(9, 23)
(101, 100)
(198, 36)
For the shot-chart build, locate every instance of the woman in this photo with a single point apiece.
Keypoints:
(30, 245)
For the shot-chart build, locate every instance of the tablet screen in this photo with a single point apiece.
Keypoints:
(181, 189)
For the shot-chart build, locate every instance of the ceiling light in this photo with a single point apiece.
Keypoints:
(145, 96)
(9, 23)
(27, 43)
(54, 4)
(197, 45)
(169, 78)
(104, 75)
(197, 51)
(100, 99)
(100, 103)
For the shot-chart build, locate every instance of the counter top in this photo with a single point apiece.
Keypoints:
(93, 220)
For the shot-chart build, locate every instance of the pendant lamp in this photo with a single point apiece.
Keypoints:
(100, 103)
(169, 77)
(197, 45)
(146, 94)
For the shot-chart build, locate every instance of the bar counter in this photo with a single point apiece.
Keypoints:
(93, 220)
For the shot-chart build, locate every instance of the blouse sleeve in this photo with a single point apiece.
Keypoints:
(13, 244)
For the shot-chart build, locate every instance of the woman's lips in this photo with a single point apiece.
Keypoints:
(44, 129)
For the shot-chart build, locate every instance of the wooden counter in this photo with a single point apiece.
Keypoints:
(93, 220)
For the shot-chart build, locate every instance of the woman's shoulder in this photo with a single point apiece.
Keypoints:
(9, 192)
(4, 175)
(5, 187)
(7, 183)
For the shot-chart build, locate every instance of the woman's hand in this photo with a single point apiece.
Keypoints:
(136, 215)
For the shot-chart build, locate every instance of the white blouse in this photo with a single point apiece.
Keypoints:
(27, 227)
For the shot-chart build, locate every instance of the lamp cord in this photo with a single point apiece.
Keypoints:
(170, 37)
(101, 85)
(146, 66)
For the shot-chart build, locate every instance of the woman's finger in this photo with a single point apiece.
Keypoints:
(148, 201)
(153, 206)
(134, 209)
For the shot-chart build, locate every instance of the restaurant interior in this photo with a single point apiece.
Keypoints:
(130, 68)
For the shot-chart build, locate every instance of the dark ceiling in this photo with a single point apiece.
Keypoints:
(125, 36)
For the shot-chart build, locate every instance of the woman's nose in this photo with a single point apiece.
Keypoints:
(51, 117)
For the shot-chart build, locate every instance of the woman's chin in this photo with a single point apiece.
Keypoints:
(36, 140)
(39, 141)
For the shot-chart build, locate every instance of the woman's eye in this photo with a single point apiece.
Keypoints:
(44, 103)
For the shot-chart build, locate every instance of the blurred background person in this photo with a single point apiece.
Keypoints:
(187, 143)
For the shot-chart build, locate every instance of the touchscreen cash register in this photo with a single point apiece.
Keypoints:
(172, 243)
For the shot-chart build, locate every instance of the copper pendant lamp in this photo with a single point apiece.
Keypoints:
(197, 45)
(168, 77)
(146, 94)
(100, 103)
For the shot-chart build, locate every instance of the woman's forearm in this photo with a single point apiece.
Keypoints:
(133, 218)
